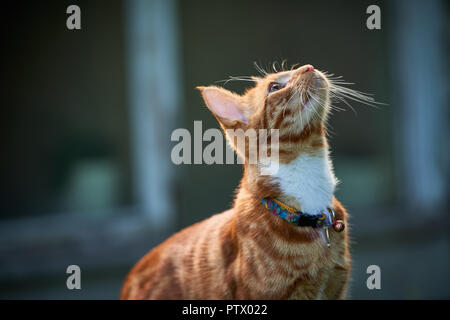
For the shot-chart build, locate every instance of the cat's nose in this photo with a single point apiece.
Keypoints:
(305, 68)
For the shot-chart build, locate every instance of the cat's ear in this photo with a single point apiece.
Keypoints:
(225, 105)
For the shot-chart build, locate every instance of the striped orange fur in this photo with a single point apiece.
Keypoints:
(246, 252)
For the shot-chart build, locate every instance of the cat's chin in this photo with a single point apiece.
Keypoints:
(318, 92)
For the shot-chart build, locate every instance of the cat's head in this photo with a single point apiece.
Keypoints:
(287, 100)
(296, 102)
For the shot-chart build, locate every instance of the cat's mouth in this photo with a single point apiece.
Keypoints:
(313, 88)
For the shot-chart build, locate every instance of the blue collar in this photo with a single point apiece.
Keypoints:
(323, 219)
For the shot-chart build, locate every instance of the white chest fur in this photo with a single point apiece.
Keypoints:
(310, 180)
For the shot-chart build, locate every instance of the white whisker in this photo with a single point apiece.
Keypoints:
(259, 69)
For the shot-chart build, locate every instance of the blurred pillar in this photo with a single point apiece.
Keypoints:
(420, 73)
(153, 92)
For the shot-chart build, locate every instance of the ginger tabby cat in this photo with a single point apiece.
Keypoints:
(247, 252)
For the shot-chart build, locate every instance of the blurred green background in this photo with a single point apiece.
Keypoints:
(87, 177)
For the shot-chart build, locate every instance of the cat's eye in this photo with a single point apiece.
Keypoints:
(275, 86)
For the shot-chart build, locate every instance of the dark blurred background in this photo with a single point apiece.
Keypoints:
(87, 177)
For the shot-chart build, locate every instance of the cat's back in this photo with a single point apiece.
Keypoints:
(187, 258)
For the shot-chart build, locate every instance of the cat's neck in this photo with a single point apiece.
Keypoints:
(307, 183)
